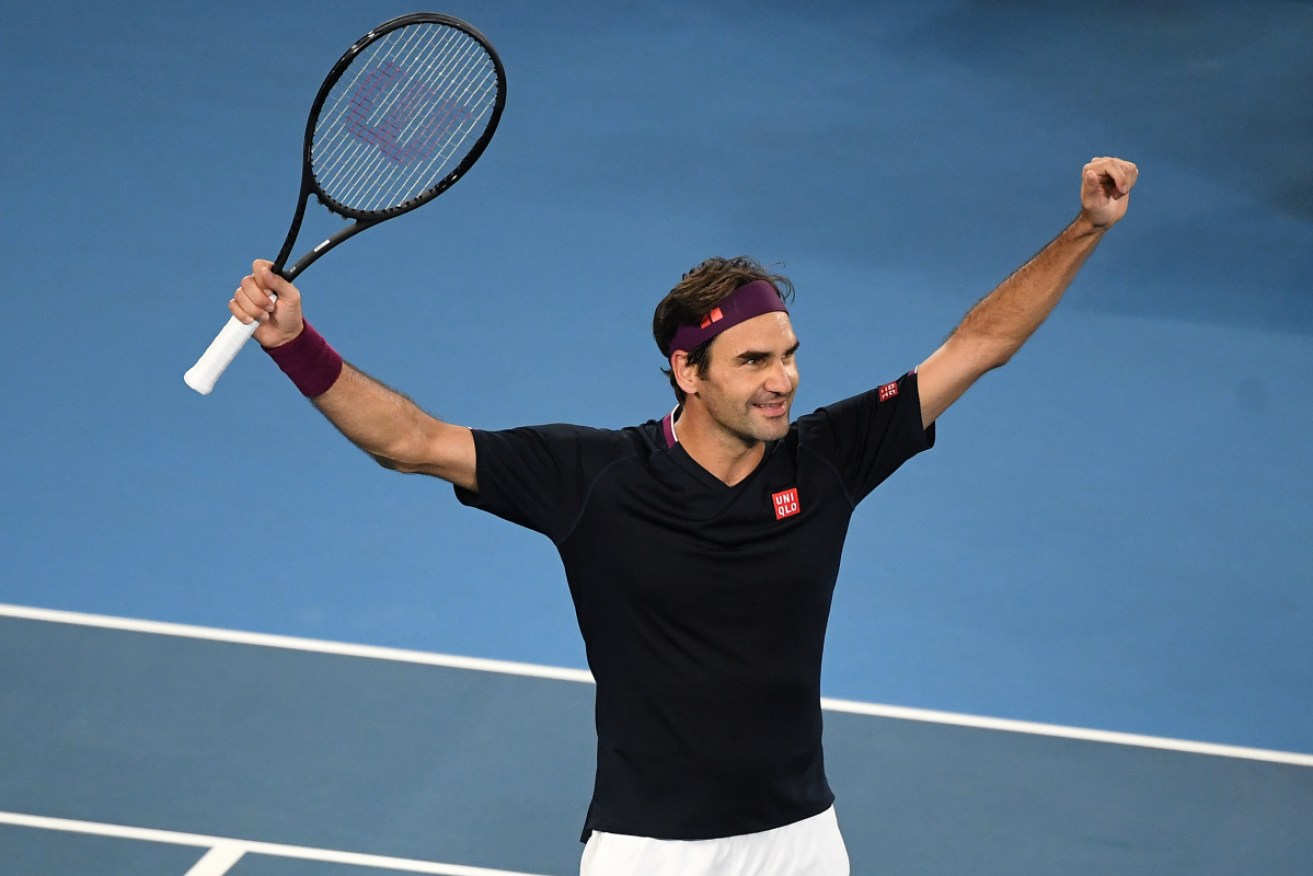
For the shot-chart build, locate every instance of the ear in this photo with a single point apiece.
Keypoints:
(686, 375)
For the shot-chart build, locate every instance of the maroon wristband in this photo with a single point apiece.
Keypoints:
(312, 364)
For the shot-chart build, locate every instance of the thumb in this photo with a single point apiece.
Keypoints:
(1093, 184)
(272, 281)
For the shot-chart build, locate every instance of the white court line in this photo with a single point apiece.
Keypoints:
(1081, 733)
(556, 673)
(343, 649)
(217, 861)
(230, 850)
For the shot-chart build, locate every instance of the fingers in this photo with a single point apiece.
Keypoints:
(268, 278)
(1115, 176)
(1106, 184)
(257, 297)
(251, 302)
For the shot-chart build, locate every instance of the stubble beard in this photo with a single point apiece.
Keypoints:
(749, 425)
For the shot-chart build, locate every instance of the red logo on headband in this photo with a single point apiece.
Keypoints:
(745, 302)
(786, 503)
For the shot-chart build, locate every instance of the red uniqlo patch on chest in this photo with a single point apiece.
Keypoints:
(888, 391)
(786, 503)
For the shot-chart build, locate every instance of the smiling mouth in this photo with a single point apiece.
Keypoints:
(774, 407)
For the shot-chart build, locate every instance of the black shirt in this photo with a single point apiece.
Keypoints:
(703, 606)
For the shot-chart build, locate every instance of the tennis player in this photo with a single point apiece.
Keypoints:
(701, 548)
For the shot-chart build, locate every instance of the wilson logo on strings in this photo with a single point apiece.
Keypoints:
(400, 133)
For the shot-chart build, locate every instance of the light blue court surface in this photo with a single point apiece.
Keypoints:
(1113, 532)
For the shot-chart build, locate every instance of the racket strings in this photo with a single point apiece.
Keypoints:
(346, 168)
(411, 122)
(382, 102)
(397, 124)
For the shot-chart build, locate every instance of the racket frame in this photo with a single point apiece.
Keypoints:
(368, 218)
(223, 349)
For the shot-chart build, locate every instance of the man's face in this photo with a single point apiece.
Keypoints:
(751, 377)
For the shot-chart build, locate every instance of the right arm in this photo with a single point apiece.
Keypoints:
(387, 425)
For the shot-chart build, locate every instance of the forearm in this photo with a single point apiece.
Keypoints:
(379, 420)
(1000, 323)
(997, 326)
(395, 431)
(376, 418)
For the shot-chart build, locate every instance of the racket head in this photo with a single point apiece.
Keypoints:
(402, 116)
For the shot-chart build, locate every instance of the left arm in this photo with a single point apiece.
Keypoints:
(1000, 323)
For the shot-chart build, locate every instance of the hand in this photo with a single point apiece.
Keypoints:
(1105, 190)
(267, 298)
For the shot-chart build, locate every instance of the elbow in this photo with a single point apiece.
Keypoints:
(396, 462)
(986, 357)
(397, 456)
(388, 462)
(997, 360)
(995, 353)
(432, 448)
(980, 353)
(415, 452)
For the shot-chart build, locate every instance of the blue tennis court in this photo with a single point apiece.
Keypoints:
(1073, 638)
(142, 748)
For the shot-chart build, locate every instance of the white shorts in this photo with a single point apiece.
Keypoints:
(811, 847)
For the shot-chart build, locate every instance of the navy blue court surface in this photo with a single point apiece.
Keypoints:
(1073, 638)
(137, 748)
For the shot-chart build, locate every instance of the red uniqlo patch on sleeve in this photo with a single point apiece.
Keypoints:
(786, 503)
(888, 391)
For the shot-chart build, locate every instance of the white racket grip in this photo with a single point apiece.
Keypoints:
(219, 355)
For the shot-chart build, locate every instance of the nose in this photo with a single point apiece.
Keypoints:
(782, 378)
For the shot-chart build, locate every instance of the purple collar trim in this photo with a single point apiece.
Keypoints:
(744, 303)
(668, 428)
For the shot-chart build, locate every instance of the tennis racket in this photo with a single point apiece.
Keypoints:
(400, 118)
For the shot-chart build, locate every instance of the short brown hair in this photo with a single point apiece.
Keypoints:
(697, 292)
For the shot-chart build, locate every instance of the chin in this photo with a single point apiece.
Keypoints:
(774, 429)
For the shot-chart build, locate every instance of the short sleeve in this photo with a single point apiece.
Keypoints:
(866, 438)
(538, 476)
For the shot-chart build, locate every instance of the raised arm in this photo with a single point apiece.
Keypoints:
(387, 425)
(1000, 323)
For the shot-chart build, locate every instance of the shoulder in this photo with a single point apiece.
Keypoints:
(903, 392)
(571, 439)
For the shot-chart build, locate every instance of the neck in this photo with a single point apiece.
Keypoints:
(727, 456)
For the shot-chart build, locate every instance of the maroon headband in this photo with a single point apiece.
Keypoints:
(745, 302)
